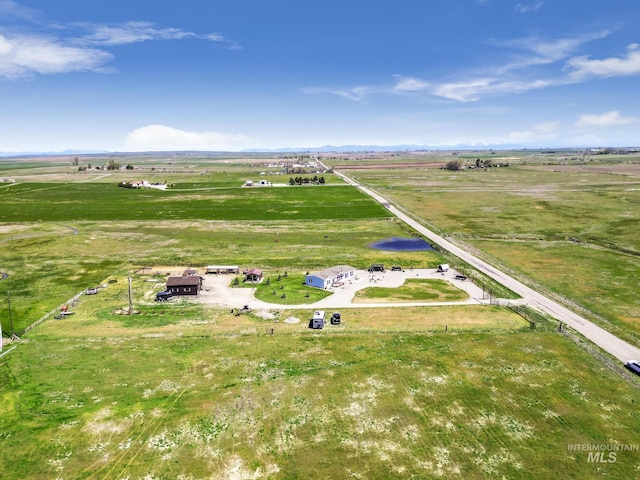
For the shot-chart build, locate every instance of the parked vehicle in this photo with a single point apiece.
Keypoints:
(317, 322)
(335, 318)
(634, 366)
(163, 296)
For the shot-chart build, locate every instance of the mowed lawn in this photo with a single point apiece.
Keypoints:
(413, 290)
(311, 405)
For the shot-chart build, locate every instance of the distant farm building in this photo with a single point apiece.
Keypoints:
(184, 285)
(253, 276)
(330, 276)
(223, 269)
(189, 272)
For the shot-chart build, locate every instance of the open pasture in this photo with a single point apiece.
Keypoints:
(571, 232)
(183, 402)
(182, 390)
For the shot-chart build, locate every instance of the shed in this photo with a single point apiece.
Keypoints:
(330, 276)
(223, 269)
(254, 275)
(184, 285)
(189, 272)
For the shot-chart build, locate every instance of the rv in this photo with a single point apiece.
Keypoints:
(317, 321)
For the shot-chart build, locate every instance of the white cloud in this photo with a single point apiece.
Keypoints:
(74, 47)
(356, 94)
(11, 9)
(475, 89)
(515, 75)
(23, 57)
(164, 138)
(607, 119)
(135, 32)
(543, 132)
(583, 67)
(529, 7)
(409, 84)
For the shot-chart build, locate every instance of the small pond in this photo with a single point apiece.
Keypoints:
(397, 244)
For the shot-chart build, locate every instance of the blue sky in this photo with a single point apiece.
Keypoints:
(138, 75)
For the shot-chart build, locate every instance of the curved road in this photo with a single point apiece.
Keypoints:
(620, 349)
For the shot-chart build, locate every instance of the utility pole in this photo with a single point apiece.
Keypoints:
(10, 317)
(130, 298)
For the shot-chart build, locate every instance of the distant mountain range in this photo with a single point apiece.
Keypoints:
(322, 149)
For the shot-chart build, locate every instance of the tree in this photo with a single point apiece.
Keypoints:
(113, 165)
(291, 181)
(453, 165)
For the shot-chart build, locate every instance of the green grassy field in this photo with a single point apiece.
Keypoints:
(570, 230)
(186, 391)
(414, 290)
(308, 405)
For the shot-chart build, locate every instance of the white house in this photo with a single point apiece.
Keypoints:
(330, 276)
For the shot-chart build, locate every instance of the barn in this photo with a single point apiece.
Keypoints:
(184, 285)
(330, 276)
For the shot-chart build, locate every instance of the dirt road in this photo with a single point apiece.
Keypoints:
(620, 349)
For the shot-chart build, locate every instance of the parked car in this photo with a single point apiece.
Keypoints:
(335, 318)
(634, 366)
(163, 296)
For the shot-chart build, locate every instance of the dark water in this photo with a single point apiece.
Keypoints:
(396, 244)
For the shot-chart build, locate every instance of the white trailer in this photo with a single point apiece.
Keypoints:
(317, 321)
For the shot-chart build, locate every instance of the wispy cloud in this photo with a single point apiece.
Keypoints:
(163, 138)
(356, 94)
(520, 72)
(12, 10)
(583, 67)
(530, 7)
(78, 47)
(409, 84)
(136, 32)
(608, 119)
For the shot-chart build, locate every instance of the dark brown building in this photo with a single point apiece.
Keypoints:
(185, 285)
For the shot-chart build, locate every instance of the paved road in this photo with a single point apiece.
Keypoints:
(620, 349)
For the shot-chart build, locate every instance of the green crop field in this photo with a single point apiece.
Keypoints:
(184, 390)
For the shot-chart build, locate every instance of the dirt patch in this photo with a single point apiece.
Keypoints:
(630, 169)
(390, 166)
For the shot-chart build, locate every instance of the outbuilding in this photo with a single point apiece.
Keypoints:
(223, 269)
(330, 277)
(443, 268)
(253, 276)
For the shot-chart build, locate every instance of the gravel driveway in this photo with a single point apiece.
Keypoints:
(216, 291)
